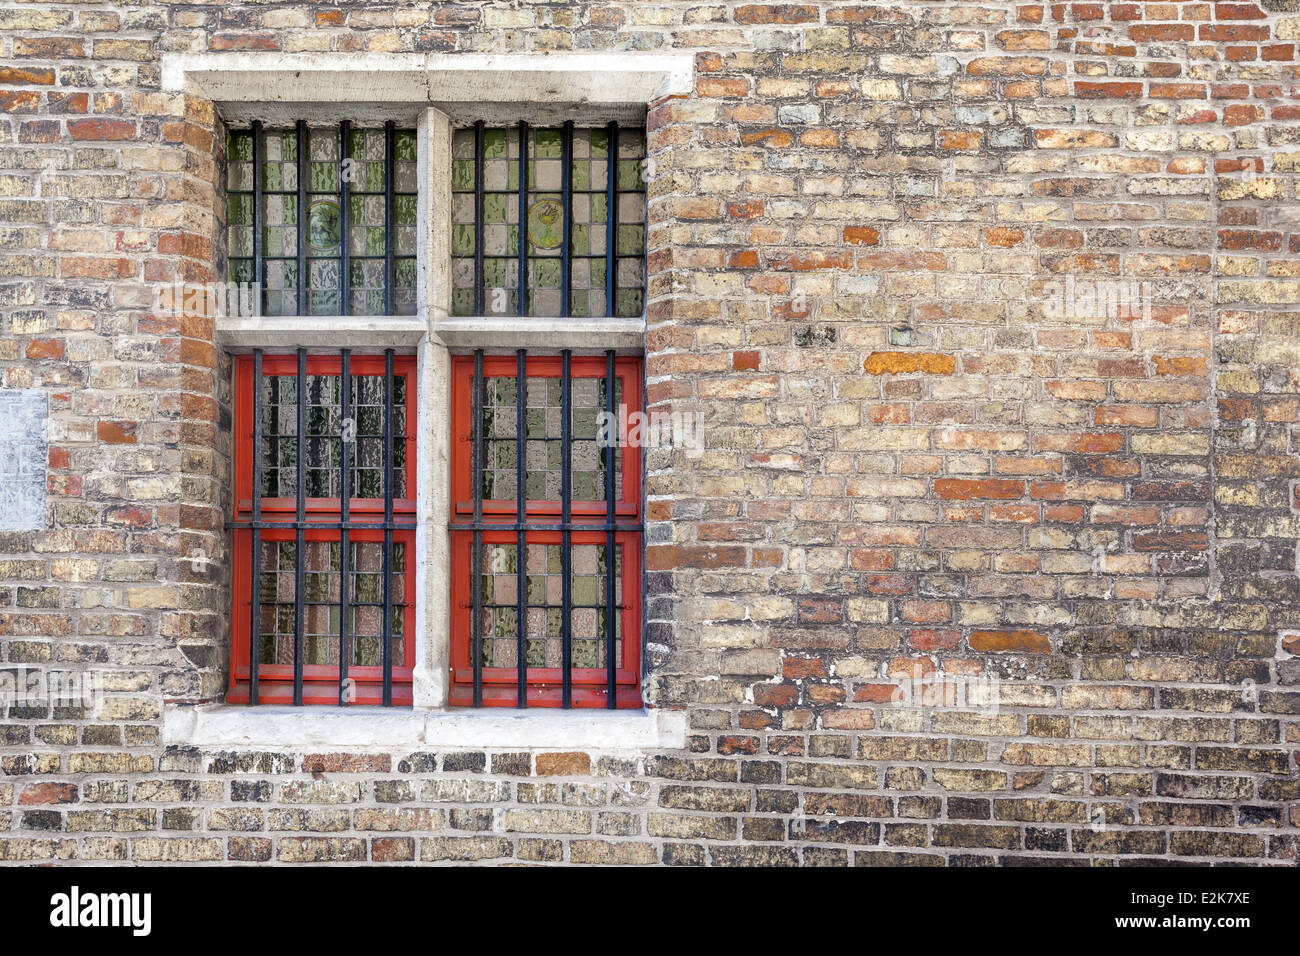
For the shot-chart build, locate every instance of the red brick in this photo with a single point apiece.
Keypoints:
(1030, 642)
(570, 764)
(101, 129)
(964, 489)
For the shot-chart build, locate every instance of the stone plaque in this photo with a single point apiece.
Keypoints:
(23, 456)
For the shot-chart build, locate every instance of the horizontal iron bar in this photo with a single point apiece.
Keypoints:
(515, 526)
(323, 525)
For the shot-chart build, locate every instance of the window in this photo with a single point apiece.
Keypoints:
(546, 520)
(324, 529)
(340, 212)
(584, 221)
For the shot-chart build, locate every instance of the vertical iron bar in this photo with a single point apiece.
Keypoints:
(566, 541)
(478, 218)
(345, 505)
(345, 278)
(387, 629)
(522, 304)
(566, 250)
(300, 542)
(255, 611)
(611, 606)
(611, 222)
(390, 230)
(476, 557)
(259, 267)
(521, 512)
(302, 218)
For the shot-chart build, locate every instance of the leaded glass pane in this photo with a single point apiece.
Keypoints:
(543, 605)
(499, 231)
(342, 228)
(325, 427)
(321, 608)
(542, 440)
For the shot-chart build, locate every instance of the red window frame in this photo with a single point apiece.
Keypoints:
(500, 684)
(320, 682)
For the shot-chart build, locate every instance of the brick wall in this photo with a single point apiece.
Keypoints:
(880, 236)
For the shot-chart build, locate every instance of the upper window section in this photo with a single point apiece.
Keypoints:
(580, 196)
(322, 219)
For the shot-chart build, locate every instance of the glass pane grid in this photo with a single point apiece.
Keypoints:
(543, 605)
(543, 439)
(323, 439)
(544, 226)
(321, 606)
(319, 237)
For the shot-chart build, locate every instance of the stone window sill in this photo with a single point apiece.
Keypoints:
(229, 725)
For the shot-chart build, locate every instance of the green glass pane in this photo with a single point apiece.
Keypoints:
(494, 144)
(629, 174)
(462, 302)
(239, 147)
(546, 273)
(405, 208)
(580, 241)
(240, 209)
(631, 240)
(241, 270)
(548, 144)
(462, 174)
(404, 273)
(494, 207)
(629, 302)
(404, 144)
(324, 177)
(462, 240)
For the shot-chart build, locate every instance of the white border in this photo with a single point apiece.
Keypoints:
(268, 727)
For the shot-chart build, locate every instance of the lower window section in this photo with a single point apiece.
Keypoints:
(499, 640)
(325, 641)
(324, 529)
(546, 530)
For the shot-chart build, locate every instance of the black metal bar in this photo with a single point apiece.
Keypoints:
(611, 222)
(255, 610)
(478, 218)
(566, 188)
(522, 284)
(390, 229)
(259, 266)
(366, 525)
(387, 628)
(345, 277)
(345, 506)
(566, 541)
(300, 541)
(476, 556)
(626, 527)
(611, 605)
(301, 244)
(521, 516)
